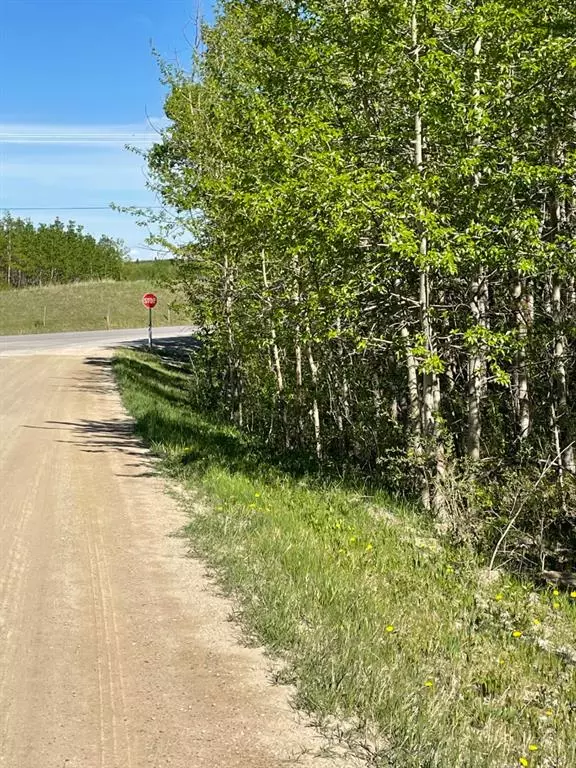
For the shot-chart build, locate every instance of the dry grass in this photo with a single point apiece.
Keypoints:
(83, 307)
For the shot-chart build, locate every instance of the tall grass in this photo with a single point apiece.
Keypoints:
(421, 656)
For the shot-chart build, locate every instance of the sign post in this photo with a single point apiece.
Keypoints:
(149, 300)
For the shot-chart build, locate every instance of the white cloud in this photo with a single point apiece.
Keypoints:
(139, 134)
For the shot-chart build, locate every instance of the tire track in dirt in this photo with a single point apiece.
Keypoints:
(111, 694)
(16, 534)
(115, 650)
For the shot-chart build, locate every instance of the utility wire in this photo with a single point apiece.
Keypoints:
(73, 208)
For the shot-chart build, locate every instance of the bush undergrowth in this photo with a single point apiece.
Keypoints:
(427, 658)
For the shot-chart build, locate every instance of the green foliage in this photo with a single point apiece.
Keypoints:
(156, 270)
(55, 253)
(379, 199)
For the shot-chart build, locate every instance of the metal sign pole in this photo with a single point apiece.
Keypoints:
(149, 300)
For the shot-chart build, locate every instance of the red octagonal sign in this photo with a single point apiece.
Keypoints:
(149, 300)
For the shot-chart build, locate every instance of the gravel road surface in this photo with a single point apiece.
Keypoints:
(75, 343)
(116, 650)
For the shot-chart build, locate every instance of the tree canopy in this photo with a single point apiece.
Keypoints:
(54, 253)
(380, 201)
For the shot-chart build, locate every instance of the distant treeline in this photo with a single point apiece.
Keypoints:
(157, 269)
(55, 253)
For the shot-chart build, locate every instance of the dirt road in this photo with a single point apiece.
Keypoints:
(79, 341)
(115, 650)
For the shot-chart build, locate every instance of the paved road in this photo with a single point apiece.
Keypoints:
(49, 343)
(115, 650)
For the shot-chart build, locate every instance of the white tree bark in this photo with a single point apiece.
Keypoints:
(477, 358)
(524, 304)
(275, 352)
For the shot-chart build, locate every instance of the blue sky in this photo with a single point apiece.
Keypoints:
(77, 82)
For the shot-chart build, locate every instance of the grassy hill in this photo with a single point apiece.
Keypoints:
(84, 307)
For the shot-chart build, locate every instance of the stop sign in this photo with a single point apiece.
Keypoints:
(149, 300)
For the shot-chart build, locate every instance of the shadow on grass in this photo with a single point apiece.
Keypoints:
(172, 351)
(168, 385)
(193, 442)
(159, 399)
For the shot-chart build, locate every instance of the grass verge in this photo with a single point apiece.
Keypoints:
(428, 660)
(83, 307)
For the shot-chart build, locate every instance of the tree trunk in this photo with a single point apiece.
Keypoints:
(275, 353)
(477, 357)
(234, 385)
(315, 408)
(523, 302)
(343, 400)
(477, 377)
(561, 420)
(431, 394)
(558, 214)
(298, 355)
(414, 421)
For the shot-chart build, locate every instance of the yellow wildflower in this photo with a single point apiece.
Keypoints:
(573, 594)
(429, 683)
(556, 605)
(533, 747)
(517, 633)
(369, 547)
(555, 592)
(390, 628)
(537, 622)
(523, 762)
(499, 596)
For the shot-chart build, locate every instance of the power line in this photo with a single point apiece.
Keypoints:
(74, 208)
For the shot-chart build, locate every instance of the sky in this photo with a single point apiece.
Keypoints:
(79, 81)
